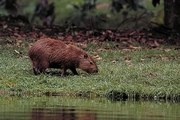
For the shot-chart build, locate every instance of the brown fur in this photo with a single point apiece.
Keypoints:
(49, 53)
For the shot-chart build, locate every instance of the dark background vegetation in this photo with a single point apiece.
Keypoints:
(104, 14)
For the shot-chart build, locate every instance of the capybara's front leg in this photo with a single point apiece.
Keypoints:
(35, 68)
(36, 72)
(74, 71)
(42, 66)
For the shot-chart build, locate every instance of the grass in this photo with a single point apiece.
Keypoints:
(144, 71)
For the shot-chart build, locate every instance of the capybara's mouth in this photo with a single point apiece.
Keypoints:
(95, 71)
(91, 72)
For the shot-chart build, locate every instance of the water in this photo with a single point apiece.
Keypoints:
(68, 108)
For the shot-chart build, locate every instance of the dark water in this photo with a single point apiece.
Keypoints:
(67, 108)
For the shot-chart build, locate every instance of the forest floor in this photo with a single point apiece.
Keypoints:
(19, 28)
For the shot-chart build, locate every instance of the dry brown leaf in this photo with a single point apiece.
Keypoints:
(68, 38)
(167, 50)
(128, 58)
(154, 44)
(133, 47)
(5, 26)
(100, 49)
(81, 45)
(168, 58)
(114, 61)
(97, 57)
(18, 52)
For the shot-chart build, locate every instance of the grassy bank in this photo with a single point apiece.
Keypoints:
(137, 71)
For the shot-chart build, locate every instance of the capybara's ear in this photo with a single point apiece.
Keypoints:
(85, 56)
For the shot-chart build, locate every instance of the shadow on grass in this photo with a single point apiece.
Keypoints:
(52, 72)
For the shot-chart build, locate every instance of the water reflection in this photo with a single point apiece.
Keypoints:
(62, 113)
(66, 108)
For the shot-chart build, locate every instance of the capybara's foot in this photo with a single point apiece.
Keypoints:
(36, 71)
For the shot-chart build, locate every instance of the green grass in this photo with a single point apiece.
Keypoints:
(145, 71)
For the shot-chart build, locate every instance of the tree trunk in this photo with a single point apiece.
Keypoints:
(172, 14)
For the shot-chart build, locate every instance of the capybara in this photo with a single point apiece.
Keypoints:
(49, 53)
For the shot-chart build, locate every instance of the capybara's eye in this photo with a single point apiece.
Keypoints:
(91, 63)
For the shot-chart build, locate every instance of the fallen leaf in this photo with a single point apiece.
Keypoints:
(167, 50)
(100, 49)
(114, 61)
(5, 26)
(17, 52)
(68, 38)
(97, 57)
(154, 44)
(127, 58)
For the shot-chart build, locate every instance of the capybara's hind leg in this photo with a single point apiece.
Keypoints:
(63, 72)
(35, 68)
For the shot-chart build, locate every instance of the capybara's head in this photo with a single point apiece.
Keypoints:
(87, 64)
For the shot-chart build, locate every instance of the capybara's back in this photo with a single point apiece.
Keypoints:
(49, 53)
